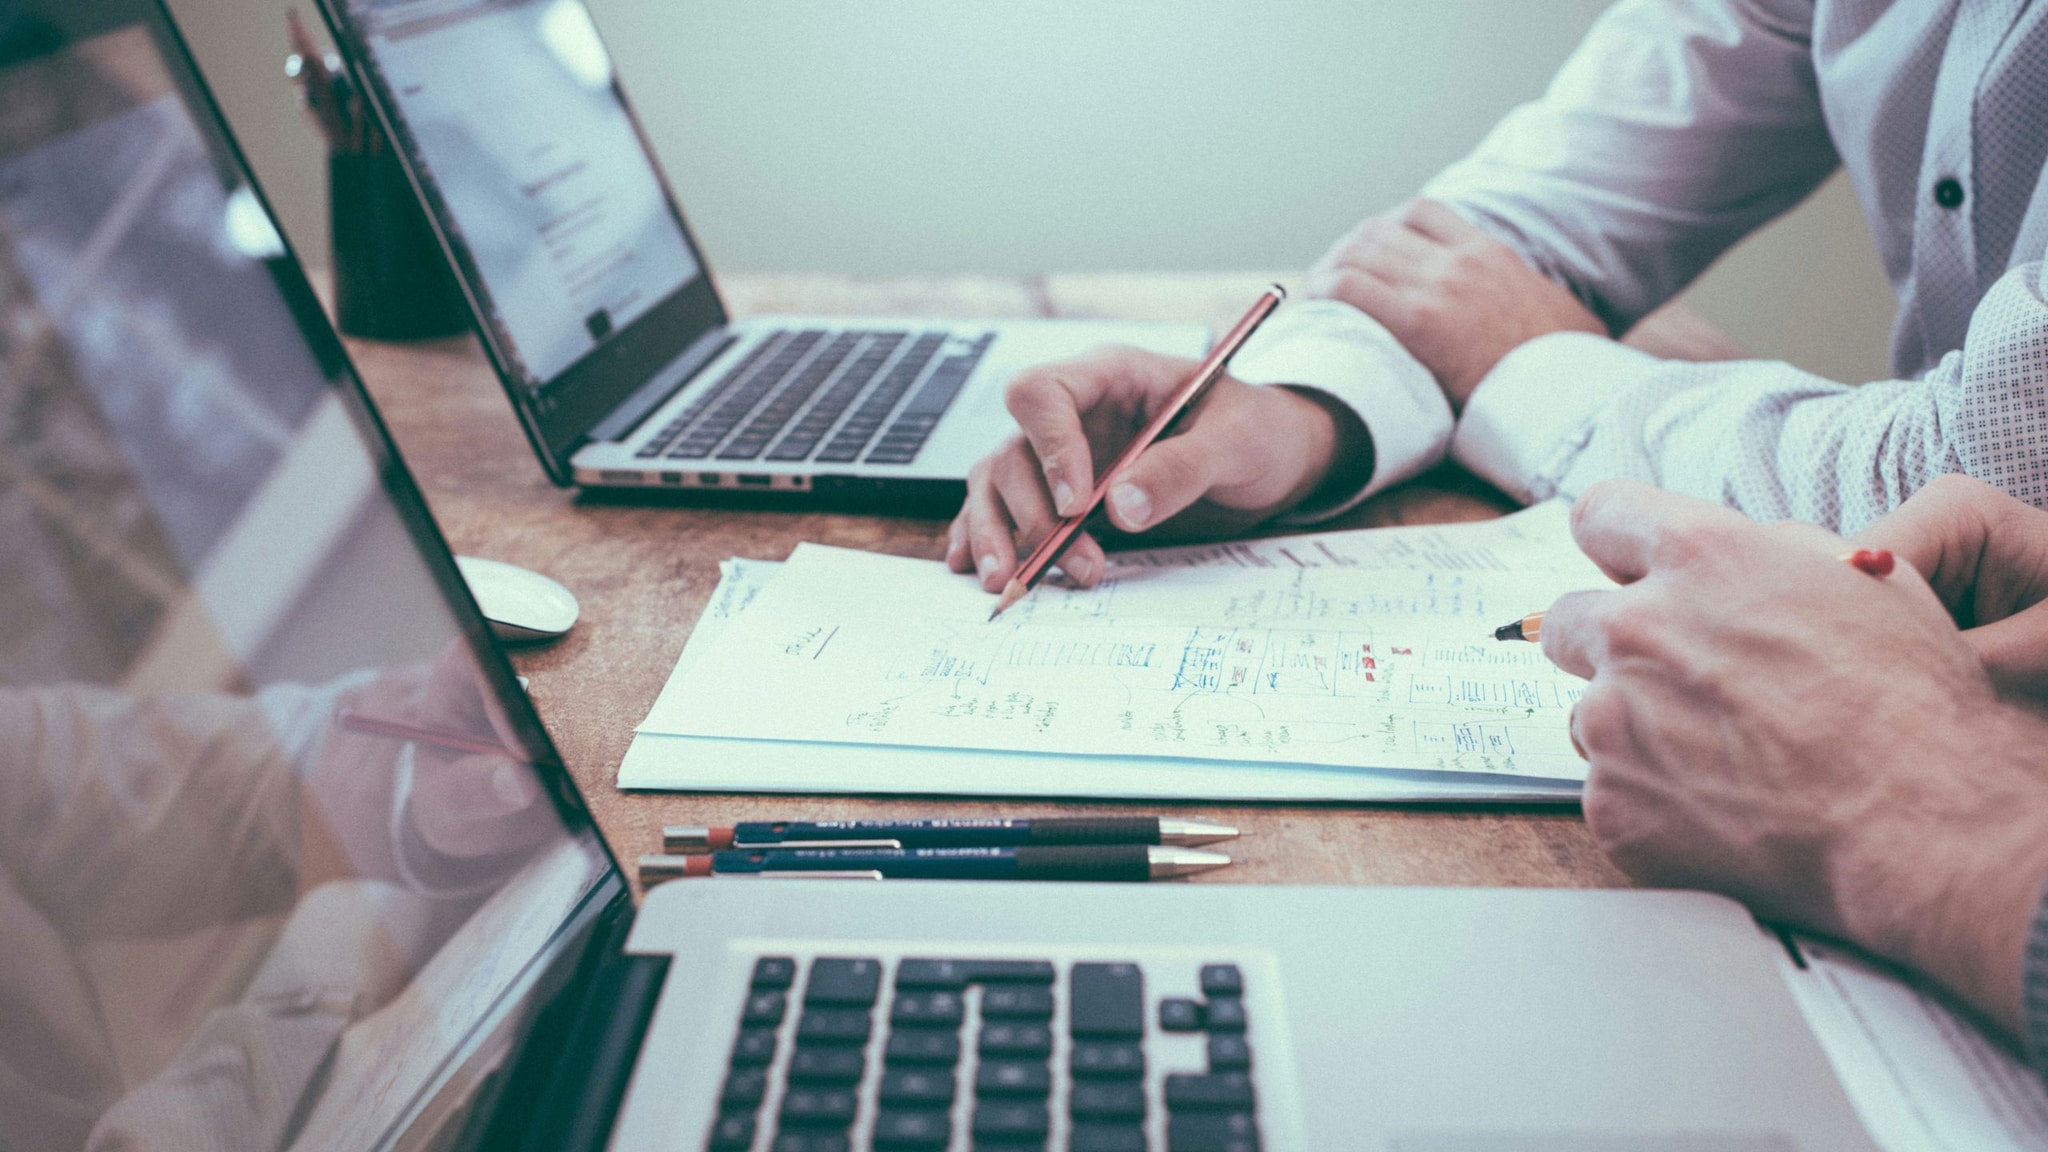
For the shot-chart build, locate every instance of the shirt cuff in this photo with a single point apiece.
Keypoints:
(1330, 347)
(1534, 412)
(2034, 988)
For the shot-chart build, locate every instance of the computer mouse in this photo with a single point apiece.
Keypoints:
(522, 605)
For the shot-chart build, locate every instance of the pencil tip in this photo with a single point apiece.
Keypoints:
(1012, 592)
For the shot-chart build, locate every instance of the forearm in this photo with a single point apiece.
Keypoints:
(1950, 881)
(118, 801)
(1676, 128)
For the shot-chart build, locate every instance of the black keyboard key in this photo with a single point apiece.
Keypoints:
(1225, 1014)
(1003, 1038)
(1027, 1078)
(1218, 1092)
(833, 1026)
(754, 1046)
(923, 1046)
(744, 1088)
(763, 1008)
(1229, 1052)
(1010, 1120)
(912, 1128)
(1107, 1100)
(1177, 1014)
(810, 1142)
(732, 1130)
(918, 1087)
(1098, 1137)
(938, 1009)
(1222, 980)
(828, 1064)
(1106, 1000)
(1211, 1132)
(1011, 971)
(1017, 1002)
(1105, 1060)
(938, 392)
(774, 972)
(817, 1107)
(841, 981)
(932, 974)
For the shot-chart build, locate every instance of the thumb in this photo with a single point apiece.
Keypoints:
(1166, 479)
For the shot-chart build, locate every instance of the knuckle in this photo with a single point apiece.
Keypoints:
(1632, 629)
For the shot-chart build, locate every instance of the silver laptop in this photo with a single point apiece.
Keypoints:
(593, 300)
(288, 861)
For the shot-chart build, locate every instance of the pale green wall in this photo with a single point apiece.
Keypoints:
(890, 136)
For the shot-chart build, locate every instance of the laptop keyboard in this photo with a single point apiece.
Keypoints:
(992, 1055)
(783, 400)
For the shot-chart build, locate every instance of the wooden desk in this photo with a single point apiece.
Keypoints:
(644, 573)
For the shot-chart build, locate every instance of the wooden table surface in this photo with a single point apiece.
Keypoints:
(643, 573)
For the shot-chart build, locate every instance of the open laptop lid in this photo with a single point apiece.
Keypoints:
(579, 269)
(283, 847)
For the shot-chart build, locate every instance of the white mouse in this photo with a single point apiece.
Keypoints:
(520, 604)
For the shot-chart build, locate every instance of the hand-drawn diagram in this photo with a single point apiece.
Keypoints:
(1376, 658)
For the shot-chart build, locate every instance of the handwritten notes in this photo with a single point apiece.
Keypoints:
(1340, 650)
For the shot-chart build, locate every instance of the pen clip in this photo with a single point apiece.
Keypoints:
(794, 845)
(800, 874)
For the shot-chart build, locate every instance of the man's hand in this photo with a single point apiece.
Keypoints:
(1242, 456)
(466, 815)
(1986, 554)
(1455, 297)
(1766, 721)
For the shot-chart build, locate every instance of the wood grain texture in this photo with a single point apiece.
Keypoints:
(644, 572)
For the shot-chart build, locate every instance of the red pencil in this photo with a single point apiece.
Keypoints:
(1041, 560)
(355, 721)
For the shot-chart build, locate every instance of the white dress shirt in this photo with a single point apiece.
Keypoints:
(1677, 128)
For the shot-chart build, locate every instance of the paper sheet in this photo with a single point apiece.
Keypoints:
(1923, 1077)
(1344, 650)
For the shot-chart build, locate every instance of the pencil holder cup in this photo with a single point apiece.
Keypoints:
(391, 281)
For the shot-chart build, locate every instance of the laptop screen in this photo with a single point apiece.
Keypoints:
(513, 125)
(281, 842)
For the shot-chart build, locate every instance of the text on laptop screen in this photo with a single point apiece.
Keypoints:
(273, 857)
(516, 126)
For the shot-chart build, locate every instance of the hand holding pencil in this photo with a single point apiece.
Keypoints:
(1245, 454)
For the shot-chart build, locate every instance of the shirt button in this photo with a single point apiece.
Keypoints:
(1948, 192)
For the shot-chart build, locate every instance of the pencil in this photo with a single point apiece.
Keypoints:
(1041, 560)
(1877, 562)
(355, 721)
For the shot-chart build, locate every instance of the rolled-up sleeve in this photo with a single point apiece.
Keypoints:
(1675, 129)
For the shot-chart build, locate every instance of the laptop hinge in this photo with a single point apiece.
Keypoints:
(565, 1085)
(664, 384)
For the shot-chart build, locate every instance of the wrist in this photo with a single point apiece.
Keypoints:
(1337, 456)
(1948, 879)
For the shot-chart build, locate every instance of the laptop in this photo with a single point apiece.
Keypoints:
(287, 859)
(600, 317)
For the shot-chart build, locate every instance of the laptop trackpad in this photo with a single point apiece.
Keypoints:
(1592, 1142)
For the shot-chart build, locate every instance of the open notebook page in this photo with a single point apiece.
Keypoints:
(1339, 650)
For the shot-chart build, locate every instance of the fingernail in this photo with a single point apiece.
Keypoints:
(986, 564)
(1063, 498)
(1133, 507)
(1081, 568)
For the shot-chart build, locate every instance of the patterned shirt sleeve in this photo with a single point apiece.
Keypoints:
(1564, 411)
(2034, 989)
